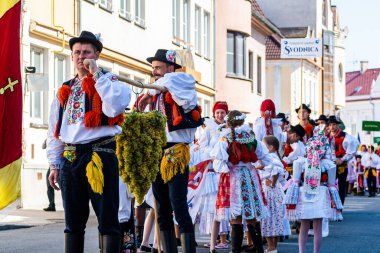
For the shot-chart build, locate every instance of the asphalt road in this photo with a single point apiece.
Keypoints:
(359, 232)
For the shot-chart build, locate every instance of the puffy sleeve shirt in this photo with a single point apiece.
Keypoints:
(115, 96)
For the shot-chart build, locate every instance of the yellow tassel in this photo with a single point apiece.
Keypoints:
(94, 173)
(174, 161)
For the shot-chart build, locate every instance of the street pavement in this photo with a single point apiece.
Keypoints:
(34, 231)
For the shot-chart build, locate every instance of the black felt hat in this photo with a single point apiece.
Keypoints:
(299, 130)
(167, 56)
(87, 37)
(323, 117)
(304, 107)
(333, 119)
(282, 116)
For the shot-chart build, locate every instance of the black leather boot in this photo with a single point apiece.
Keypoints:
(74, 243)
(111, 243)
(168, 241)
(237, 235)
(188, 243)
(257, 239)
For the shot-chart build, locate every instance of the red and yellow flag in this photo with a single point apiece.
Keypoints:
(10, 102)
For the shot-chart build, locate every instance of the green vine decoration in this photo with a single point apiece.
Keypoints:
(139, 150)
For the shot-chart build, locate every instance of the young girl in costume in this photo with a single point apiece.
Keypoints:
(210, 136)
(272, 226)
(313, 194)
(240, 194)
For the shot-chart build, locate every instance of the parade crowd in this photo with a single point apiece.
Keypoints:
(232, 181)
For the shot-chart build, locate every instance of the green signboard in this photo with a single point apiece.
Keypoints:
(376, 140)
(371, 125)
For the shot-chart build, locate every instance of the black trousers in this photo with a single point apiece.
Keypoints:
(170, 197)
(371, 181)
(77, 192)
(50, 190)
(342, 184)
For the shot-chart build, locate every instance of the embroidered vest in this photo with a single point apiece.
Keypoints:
(94, 116)
(288, 149)
(177, 119)
(338, 138)
(243, 149)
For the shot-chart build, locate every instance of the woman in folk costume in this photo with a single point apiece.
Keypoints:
(240, 195)
(313, 195)
(268, 124)
(272, 227)
(207, 141)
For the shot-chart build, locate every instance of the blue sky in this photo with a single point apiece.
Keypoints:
(362, 17)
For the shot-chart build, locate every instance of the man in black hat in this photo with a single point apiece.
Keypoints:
(322, 123)
(304, 117)
(285, 123)
(85, 117)
(294, 146)
(344, 147)
(179, 104)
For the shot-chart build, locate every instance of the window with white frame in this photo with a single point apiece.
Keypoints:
(37, 97)
(207, 108)
(250, 69)
(125, 9)
(206, 34)
(59, 71)
(140, 12)
(106, 4)
(198, 29)
(236, 54)
(259, 69)
(186, 21)
(176, 18)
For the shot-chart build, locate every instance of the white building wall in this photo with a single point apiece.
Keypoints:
(366, 108)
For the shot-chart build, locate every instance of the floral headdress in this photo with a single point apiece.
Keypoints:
(240, 117)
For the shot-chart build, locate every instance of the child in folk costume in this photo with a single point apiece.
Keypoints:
(314, 196)
(126, 219)
(272, 226)
(240, 194)
(359, 169)
(206, 143)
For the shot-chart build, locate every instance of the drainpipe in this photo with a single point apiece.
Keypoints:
(373, 107)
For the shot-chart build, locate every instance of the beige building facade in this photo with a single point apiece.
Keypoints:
(240, 58)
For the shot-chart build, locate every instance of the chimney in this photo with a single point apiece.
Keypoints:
(363, 66)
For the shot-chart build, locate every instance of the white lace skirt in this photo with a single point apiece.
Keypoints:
(320, 208)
